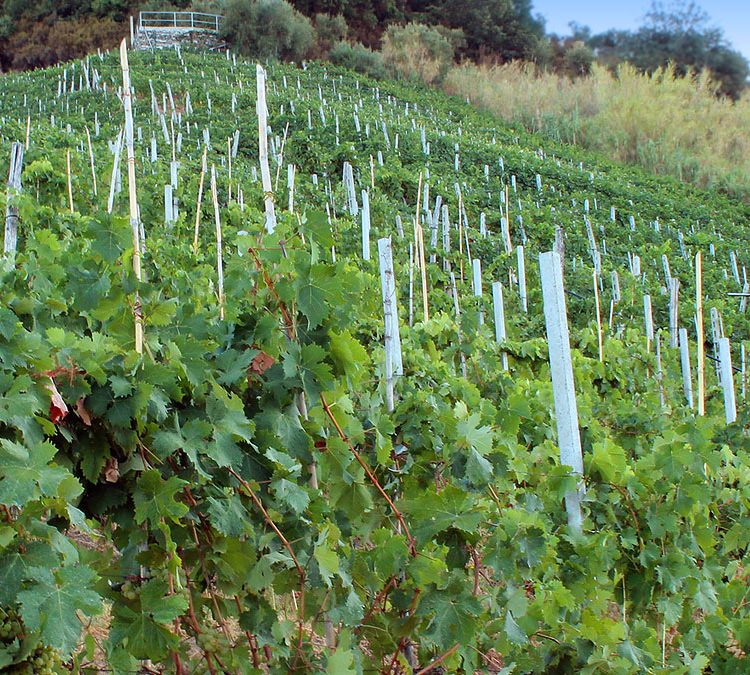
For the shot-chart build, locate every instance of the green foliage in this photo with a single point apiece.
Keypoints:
(38, 44)
(329, 30)
(417, 52)
(242, 486)
(265, 29)
(501, 29)
(358, 58)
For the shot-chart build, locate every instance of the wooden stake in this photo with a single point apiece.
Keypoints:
(200, 200)
(219, 261)
(132, 194)
(365, 225)
(423, 269)
(416, 217)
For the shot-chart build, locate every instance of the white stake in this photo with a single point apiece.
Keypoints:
(499, 316)
(365, 225)
(11, 210)
(115, 171)
(561, 367)
(687, 377)
(727, 380)
(265, 171)
(476, 282)
(392, 337)
(649, 320)
(674, 306)
(522, 277)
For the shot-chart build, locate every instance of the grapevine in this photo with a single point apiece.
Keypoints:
(261, 489)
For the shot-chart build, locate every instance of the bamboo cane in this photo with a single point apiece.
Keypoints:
(219, 262)
(132, 194)
(200, 200)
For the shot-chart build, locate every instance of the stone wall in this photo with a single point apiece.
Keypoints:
(159, 38)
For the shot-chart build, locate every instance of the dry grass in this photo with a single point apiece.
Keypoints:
(667, 124)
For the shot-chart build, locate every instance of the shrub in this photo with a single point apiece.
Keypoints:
(417, 52)
(329, 30)
(267, 29)
(360, 58)
(578, 59)
(40, 44)
(209, 6)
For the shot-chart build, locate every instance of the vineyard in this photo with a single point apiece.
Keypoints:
(276, 392)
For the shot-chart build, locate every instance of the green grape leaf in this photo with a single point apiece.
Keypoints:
(478, 469)
(304, 365)
(454, 611)
(52, 602)
(469, 433)
(154, 498)
(228, 515)
(147, 632)
(26, 474)
(291, 494)
(314, 286)
(16, 567)
(341, 662)
(433, 512)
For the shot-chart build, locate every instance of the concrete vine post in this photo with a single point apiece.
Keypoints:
(561, 367)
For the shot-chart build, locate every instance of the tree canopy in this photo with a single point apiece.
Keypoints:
(681, 35)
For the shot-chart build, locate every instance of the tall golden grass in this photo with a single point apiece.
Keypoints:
(665, 123)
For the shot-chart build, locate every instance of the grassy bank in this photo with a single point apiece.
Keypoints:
(668, 125)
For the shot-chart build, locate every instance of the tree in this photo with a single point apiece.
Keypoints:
(680, 35)
(500, 28)
(267, 29)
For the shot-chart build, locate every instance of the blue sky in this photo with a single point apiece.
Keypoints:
(732, 16)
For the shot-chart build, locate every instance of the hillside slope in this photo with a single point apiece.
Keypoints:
(254, 497)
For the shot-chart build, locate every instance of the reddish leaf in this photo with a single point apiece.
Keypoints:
(111, 470)
(58, 409)
(81, 411)
(261, 363)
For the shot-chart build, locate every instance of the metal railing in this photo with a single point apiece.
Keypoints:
(179, 21)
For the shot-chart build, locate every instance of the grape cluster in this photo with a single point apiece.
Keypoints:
(43, 660)
(211, 639)
(129, 590)
(10, 626)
